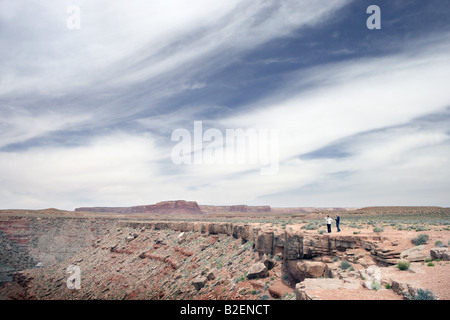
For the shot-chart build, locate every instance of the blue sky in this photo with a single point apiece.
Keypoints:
(86, 115)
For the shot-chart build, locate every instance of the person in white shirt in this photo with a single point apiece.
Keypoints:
(329, 221)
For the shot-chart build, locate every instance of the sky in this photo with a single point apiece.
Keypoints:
(122, 103)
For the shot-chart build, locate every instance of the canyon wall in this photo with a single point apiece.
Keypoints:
(290, 244)
(28, 242)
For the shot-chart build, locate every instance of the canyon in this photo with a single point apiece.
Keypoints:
(255, 255)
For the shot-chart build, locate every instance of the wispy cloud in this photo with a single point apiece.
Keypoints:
(90, 112)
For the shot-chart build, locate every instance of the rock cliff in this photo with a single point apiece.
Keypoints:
(28, 242)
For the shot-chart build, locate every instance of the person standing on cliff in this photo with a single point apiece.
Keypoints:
(329, 223)
(338, 220)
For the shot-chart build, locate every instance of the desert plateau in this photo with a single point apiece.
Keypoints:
(179, 250)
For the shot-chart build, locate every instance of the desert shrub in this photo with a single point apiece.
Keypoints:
(422, 294)
(345, 264)
(311, 226)
(403, 264)
(420, 239)
(378, 229)
(438, 243)
(248, 245)
(375, 285)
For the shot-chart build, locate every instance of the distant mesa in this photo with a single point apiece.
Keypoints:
(178, 207)
(183, 207)
(235, 208)
(165, 208)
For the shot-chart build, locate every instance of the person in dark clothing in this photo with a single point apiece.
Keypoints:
(338, 220)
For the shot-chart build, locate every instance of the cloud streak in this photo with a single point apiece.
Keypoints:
(87, 115)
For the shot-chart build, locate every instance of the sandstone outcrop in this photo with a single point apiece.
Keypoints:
(416, 253)
(306, 289)
(293, 245)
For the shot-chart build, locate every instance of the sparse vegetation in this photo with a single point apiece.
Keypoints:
(311, 226)
(345, 264)
(439, 243)
(403, 264)
(422, 294)
(378, 230)
(420, 239)
(375, 285)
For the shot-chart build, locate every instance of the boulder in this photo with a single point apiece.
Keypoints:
(274, 293)
(199, 282)
(258, 270)
(181, 238)
(414, 254)
(209, 274)
(299, 270)
(439, 253)
(446, 256)
(404, 287)
(312, 269)
(269, 263)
